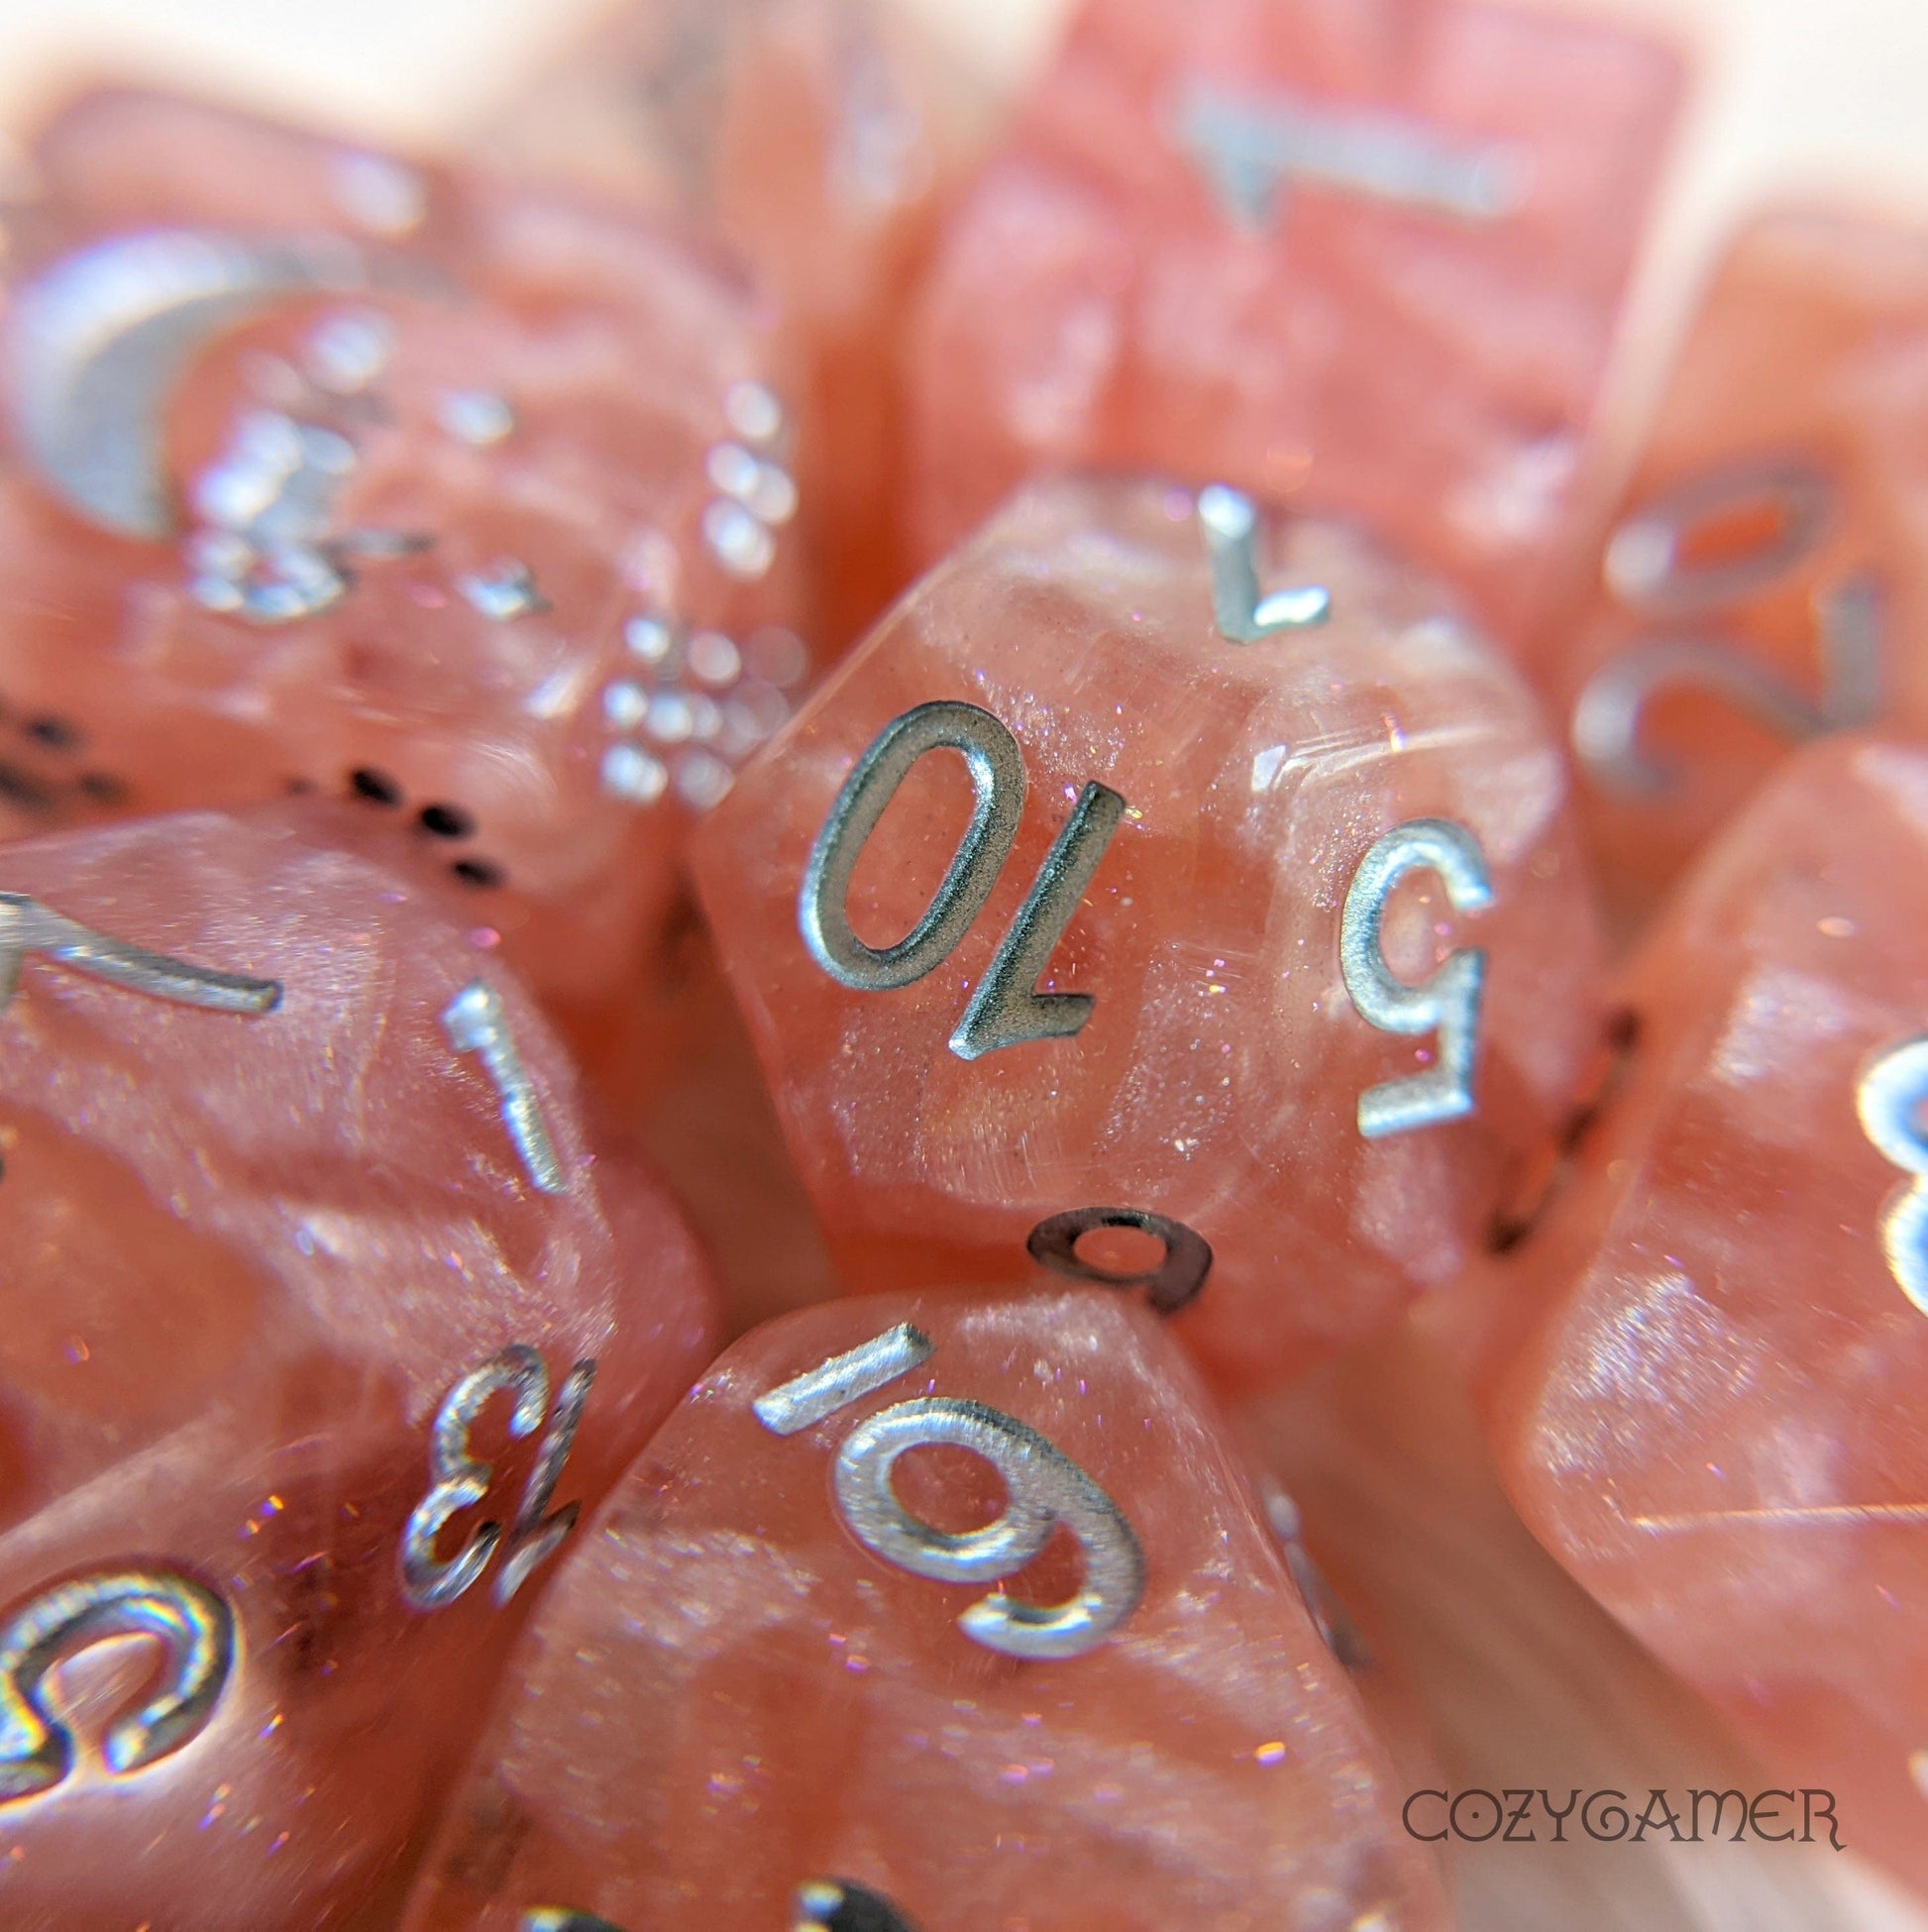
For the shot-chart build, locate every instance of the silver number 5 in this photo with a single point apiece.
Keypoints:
(1044, 1488)
(1006, 1010)
(1447, 1003)
(459, 1480)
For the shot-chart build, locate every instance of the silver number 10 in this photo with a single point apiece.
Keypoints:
(1447, 1003)
(1006, 1010)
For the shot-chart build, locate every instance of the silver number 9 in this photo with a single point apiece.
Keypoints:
(1447, 1003)
(459, 1480)
(1889, 1100)
(1044, 1488)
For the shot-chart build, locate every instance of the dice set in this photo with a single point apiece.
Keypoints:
(1110, 1010)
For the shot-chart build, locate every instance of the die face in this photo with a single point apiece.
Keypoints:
(734, 1689)
(1217, 1077)
(1711, 1416)
(817, 136)
(317, 1254)
(1766, 560)
(1369, 257)
(431, 520)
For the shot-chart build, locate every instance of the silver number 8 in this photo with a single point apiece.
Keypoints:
(1890, 1102)
(1044, 1488)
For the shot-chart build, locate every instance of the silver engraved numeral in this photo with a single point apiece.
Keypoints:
(1890, 1102)
(1174, 1283)
(1648, 571)
(459, 1480)
(193, 1625)
(1006, 1009)
(474, 1022)
(1250, 145)
(1447, 1004)
(835, 1384)
(28, 926)
(1043, 1487)
(1229, 521)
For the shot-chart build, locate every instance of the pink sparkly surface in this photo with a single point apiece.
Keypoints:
(727, 1694)
(1362, 255)
(1782, 485)
(250, 1256)
(1710, 1410)
(492, 425)
(1216, 1079)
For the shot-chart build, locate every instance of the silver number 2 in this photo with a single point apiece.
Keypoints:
(459, 1480)
(1006, 1010)
(1647, 571)
(1447, 1003)
(1889, 1100)
(1044, 1488)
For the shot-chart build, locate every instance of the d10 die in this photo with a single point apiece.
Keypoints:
(1770, 556)
(1367, 258)
(325, 1314)
(960, 1602)
(1711, 1413)
(1098, 884)
(818, 136)
(336, 475)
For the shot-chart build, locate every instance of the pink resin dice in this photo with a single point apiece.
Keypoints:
(1767, 570)
(326, 1311)
(1710, 1398)
(332, 474)
(1364, 256)
(819, 138)
(1105, 887)
(936, 1612)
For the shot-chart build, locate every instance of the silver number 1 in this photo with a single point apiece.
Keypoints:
(1447, 1003)
(1006, 1009)
(1889, 1100)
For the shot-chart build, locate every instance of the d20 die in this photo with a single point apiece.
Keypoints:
(326, 1312)
(1771, 552)
(1369, 258)
(809, 1656)
(1098, 884)
(337, 474)
(1709, 1406)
